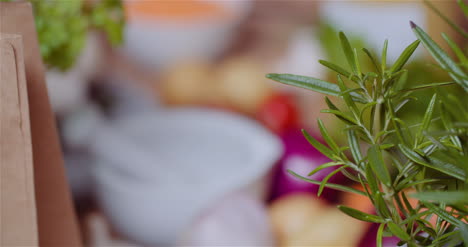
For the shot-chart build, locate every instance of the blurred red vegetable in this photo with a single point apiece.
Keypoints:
(278, 113)
(301, 158)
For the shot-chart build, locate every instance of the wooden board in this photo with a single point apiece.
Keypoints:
(57, 224)
(18, 224)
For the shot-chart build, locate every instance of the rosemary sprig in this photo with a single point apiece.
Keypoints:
(400, 158)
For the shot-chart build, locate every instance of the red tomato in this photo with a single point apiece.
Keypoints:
(278, 113)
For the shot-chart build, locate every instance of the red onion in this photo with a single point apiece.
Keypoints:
(301, 157)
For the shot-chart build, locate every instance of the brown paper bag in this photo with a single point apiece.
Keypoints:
(56, 220)
(18, 224)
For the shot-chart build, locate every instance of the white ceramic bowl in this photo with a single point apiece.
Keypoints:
(158, 171)
(160, 43)
(235, 220)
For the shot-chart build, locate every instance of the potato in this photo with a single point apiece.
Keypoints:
(304, 220)
(291, 214)
(332, 228)
(243, 84)
(189, 83)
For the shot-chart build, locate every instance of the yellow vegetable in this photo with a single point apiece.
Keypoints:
(291, 214)
(303, 220)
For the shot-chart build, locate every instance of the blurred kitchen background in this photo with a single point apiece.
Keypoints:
(171, 133)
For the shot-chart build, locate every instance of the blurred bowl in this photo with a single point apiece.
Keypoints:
(158, 42)
(158, 171)
(236, 220)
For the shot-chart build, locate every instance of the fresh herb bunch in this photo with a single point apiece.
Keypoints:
(391, 159)
(62, 27)
(418, 71)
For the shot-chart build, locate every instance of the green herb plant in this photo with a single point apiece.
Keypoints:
(63, 26)
(391, 159)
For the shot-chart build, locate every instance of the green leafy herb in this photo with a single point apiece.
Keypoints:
(429, 157)
(360, 215)
(63, 26)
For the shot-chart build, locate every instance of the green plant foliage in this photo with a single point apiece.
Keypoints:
(393, 159)
(62, 27)
(445, 61)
